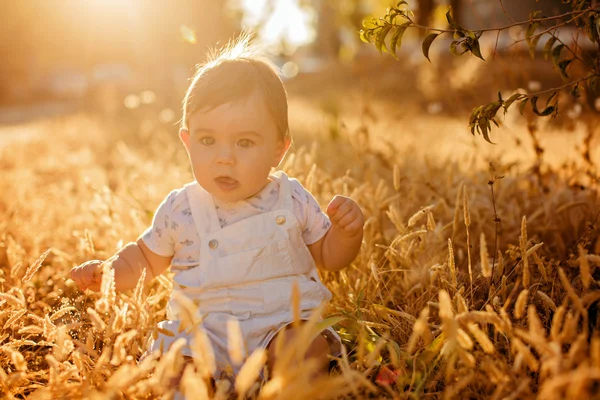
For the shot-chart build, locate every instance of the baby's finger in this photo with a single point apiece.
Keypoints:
(342, 211)
(334, 204)
(350, 217)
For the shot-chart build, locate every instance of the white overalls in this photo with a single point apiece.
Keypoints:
(247, 271)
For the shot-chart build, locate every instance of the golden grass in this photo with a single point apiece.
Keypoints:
(451, 316)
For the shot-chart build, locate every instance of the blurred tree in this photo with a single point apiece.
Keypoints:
(567, 32)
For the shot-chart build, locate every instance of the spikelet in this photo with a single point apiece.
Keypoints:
(521, 304)
(121, 345)
(89, 243)
(541, 266)
(35, 266)
(193, 386)
(467, 219)
(250, 371)
(464, 340)
(461, 304)
(546, 300)
(557, 321)
(584, 267)
(107, 289)
(139, 287)
(446, 311)
(16, 358)
(14, 318)
(452, 391)
(521, 349)
(523, 245)
(420, 328)
(416, 217)
(535, 325)
(570, 291)
(97, 321)
(204, 356)
(61, 313)
(64, 344)
(235, 342)
(482, 338)
(430, 221)
(296, 304)
(456, 219)
(396, 177)
(451, 264)
(120, 318)
(486, 270)
(595, 352)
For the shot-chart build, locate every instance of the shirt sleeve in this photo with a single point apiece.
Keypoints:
(314, 222)
(159, 237)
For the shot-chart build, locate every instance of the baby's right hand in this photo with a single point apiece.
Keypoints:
(88, 275)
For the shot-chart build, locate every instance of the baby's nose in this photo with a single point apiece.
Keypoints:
(226, 155)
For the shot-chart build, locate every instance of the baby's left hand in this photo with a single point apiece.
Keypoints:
(346, 216)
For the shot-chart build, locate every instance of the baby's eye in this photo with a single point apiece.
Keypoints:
(207, 141)
(245, 143)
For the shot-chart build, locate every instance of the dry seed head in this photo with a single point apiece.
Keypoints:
(541, 266)
(521, 304)
(430, 221)
(466, 212)
(97, 321)
(250, 371)
(396, 177)
(139, 287)
(17, 359)
(61, 313)
(486, 270)
(451, 264)
(35, 266)
(584, 267)
(235, 342)
(546, 300)
(521, 349)
(14, 318)
(570, 291)
(446, 311)
(595, 352)
(192, 385)
(535, 325)
(482, 338)
(416, 217)
(557, 321)
(523, 245)
(461, 304)
(204, 357)
(464, 340)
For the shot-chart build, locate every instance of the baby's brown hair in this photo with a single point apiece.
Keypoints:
(233, 73)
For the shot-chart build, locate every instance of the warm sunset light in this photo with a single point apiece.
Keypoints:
(300, 199)
(287, 21)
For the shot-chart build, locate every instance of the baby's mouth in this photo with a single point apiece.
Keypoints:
(226, 183)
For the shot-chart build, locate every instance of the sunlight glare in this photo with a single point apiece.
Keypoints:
(289, 22)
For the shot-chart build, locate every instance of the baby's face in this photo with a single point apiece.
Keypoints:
(233, 147)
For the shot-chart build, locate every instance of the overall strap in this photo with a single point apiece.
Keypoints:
(203, 210)
(285, 192)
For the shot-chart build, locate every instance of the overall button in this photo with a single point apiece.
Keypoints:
(280, 220)
(213, 244)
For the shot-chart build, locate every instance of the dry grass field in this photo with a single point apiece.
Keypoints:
(444, 300)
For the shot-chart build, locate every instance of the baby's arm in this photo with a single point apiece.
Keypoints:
(128, 264)
(340, 245)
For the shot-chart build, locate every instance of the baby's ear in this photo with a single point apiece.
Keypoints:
(184, 135)
(285, 145)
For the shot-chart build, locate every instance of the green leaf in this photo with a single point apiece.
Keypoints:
(427, 44)
(363, 36)
(548, 46)
(490, 110)
(533, 45)
(451, 21)
(556, 54)
(380, 42)
(575, 92)
(552, 96)
(475, 49)
(563, 68)
(396, 41)
(511, 99)
(522, 105)
(547, 111)
(453, 46)
(402, 3)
